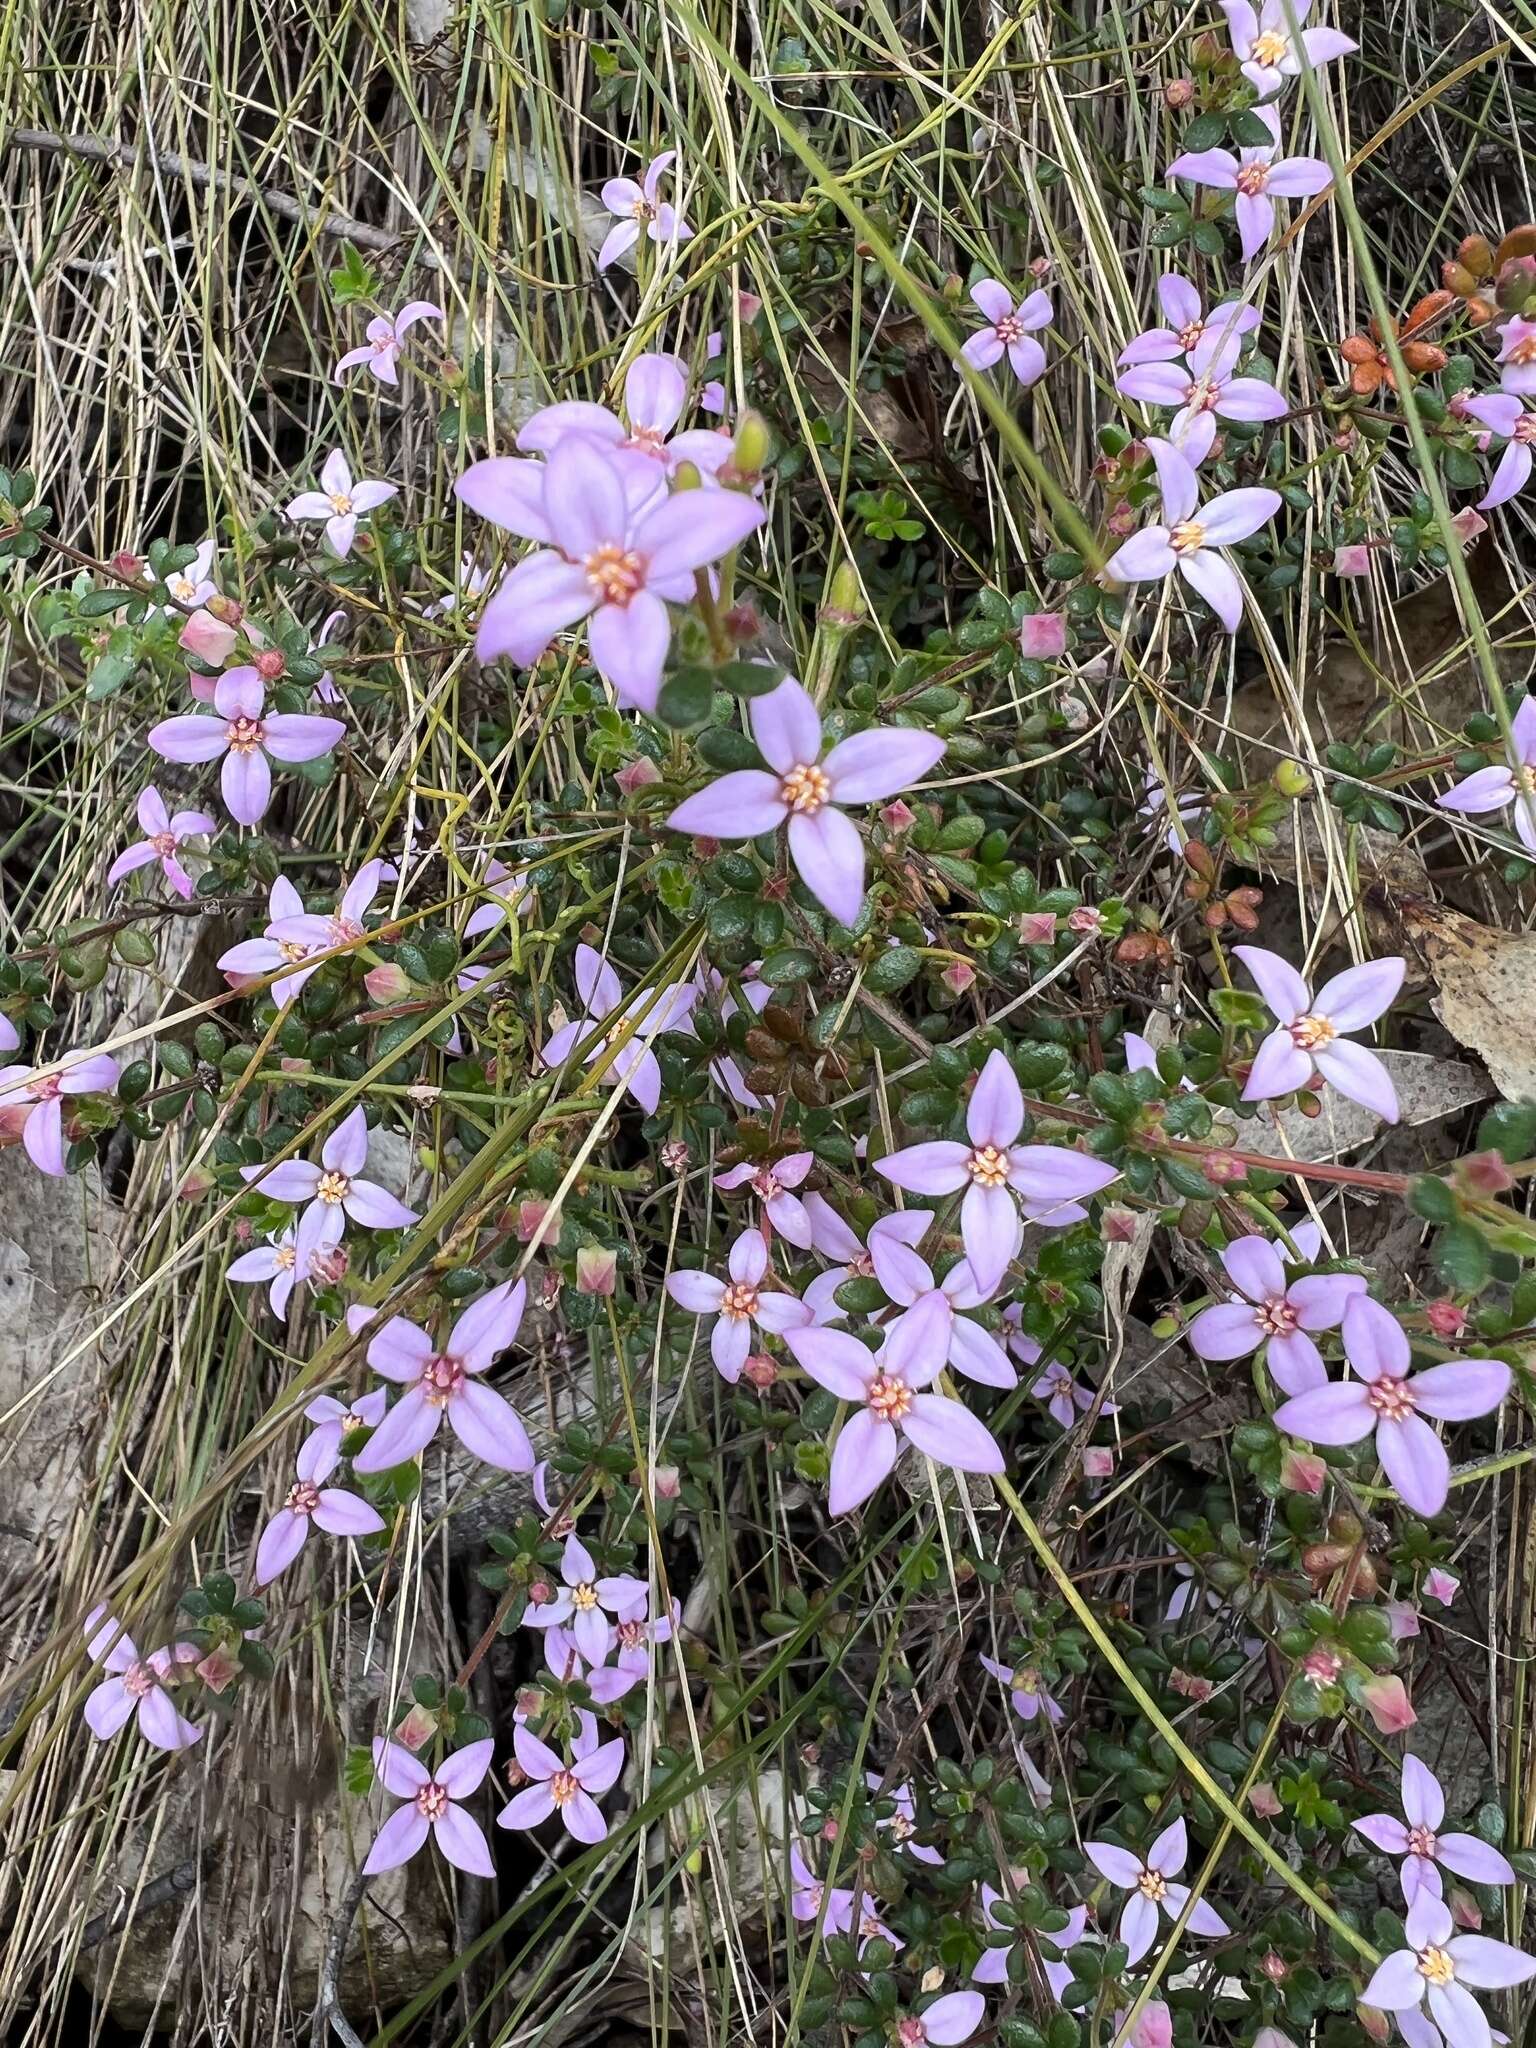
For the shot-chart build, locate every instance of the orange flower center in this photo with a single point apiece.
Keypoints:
(615, 573)
(988, 1166)
(1523, 351)
(1187, 537)
(1276, 1318)
(164, 843)
(1252, 179)
(1271, 48)
(1308, 1033)
(245, 735)
(890, 1399)
(339, 502)
(1152, 1885)
(333, 1186)
(584, 1597)
(138, 1681)
(739, 1302)
(563, 1787)
(1435, 1966)
(806, 789)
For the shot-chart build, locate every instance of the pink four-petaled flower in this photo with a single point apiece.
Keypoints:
(805, 791)
(432, 1807)
(1188, 323)
(1386, 1399)
(886, 1390)
(1311, 1030)
(1026, 1690)
(638, 208)
(616, 550)
(774, 1186)
(632, 1025)
(1202, 391)
(1010, 330)
(738, 1302)
(163, 834)
(1190, 536)
(655, 393)
(1502, 413)
(330, 1508)
(443, 1381)
(334, 1190)
(1492, 788)
(1517, 355)
(32, 1103)
(1270, 1307)
(1152, 1889)
(587, 1605)
(570, 1789)
(1417, 1839)
(1271, 45)
(340, 501)
(245, 733)
(992, 1169)
(381, 351)
(1443, 1969)
(136, 1685)
(1259, 176)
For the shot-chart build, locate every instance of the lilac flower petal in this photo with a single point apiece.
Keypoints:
(862, 1457)
(1475, 1860)
(489, 1325)
(1360, 995)
(405, 1431)
(160, 1723)
(489, 1427)
(1279, 1067)
(1295, 1363)
(1169, 1849)
(700, 1293)
(1154, 383)
(109, 1708)
(978, 1355)
(1336, 1414)
(829, 855)
(401, 1836)
(1277, 981)
(1178, 299)
(245, 781)
(299, 736)
(1490, 1965)
(936, 1168)
(582, 1819)
(1415, 1461)
(995, 1113)
(400, 1350)
(1486, 789)
(737, 806)
(1423, 1797)
(1463, 1390)
(1298, 177)
(291, 1180)
(1217, 582)
(953, 2018)
(375, 1208)
(991, 299)
(529, 1808)
(1321, 1298)
(1145, 558)
(917, 1343)
(1234, 516)
(1510, 476)
(281, 1541)
(599, 1772)
(462, 1842)
(983, 349)
(1229, 1330)
(189, 739)
(43, 1137)
(834, 1360)
(1176, 480)
(874, 765)
(539, 598)
(695, 528)
(1396, 1984)
(1254, 1268)
(1026, 359)
(1250, 398)
(779, 1312)
(1383, 1831)
(950, 1434)
(343, 1514)
(730, 1345)
(989, 1226)
(1137, 1928)
(629, 648)
(747, 1261)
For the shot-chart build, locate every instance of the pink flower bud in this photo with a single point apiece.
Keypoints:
(666, 1482)
(1271, 2037)
(1122, 522)
(271, 663)
(329, 1263)
(1385, 1699)
(1154, 2026)
(958, 976)
(197, 1183)
(218, 1669)
(1190, 1684)
(637, 774)
(1402, 1620)
(1302, 1472)
(705, 847)
(1043, 636)
(897, 816)
(1084, 919)
(674, 1155)
(208, 639)
(597, 1270)
(1264, 1800)
(760, 1371)
(1352, 560)
(1039, 268)
(1441, 1585)
(1445, 1318)
(1037, 928)
(1225, 1169)
(748, 306)
(127, 564)
(550, 1284)
(1469, 523)
(1178, 93)
(1465, 1910)
(1484, 1173)
(1119, 1226)
(1376, 2025)
(530, 1701)
(387, 984)
(417, 1729)
(1098, 1462)
(1322, 1664)
(540, 1593)
(1274, 1966)
(537, 1223)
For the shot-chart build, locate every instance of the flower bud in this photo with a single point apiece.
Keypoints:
(329, 1264)
(845, 607)
(897, 816)
(1377, 2026)
(417, 1729)
(674, 1155)
(1178, 93)
(1441, 1585)
(218, 1669)
(1098, 1462)
(1154, 2026)
(752, 446)
(1484, 1173)
(597, 1270)
(637, 775)
(1037, 928)
(1465, 1910)
(127, 564)
(1385, 1699)
(1322, 1664)
(666, 1482)
(197, 1183)
(1274, 1966)
(1264, 1801)
(271, 663)
(1458, 279)
(1515, 284)
(760, 1371)
(387, 984)
(208, 639)
(1084, 919)
(1402, 1620)
(537, 1223)
(958, 976)
(1291, 779)
(1224, 1169)
(1118, 1226)
(1302, 1471)
(1476, 255)
(1043, 636)
(1445, 1318)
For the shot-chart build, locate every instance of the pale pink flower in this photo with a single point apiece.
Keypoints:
(1416, 1838)
(1026, 1690)
(1258, 176)
(1386, 1400)
(585, 1605)
(334, 1190)
(1043, 636)
(1311, 1030)
(633, 1024)
(1151, 1886)
(381, 351)
(325, 690)
(774, 1186)
(616, 551)
(811, 1899)
(1190, 536)
(856, 1257)
(1269, 1307)
(252, 960)
(163, 835)
(433, 1806)
(207, 639)
(474, 582)
(245, 733)
(1444, 1969)
(1270, 50)
(1441, 1585)
(136, 1684)
(993, 1168)
(319, 935)
(1188, 323)
(443, 1381)
(655, 394)
(340, 502)
(277, 1263)
(1010, 330)
(901, 1828)
(638, 207)
(805, 791)
(330, 1508)
(738, 1302)
(945, 2023)
(570, 1789)
(506, 895)
(193, 585)
(32, 1102)
(1202, 391)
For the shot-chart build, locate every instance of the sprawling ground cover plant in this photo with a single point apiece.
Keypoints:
(775, 1200)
